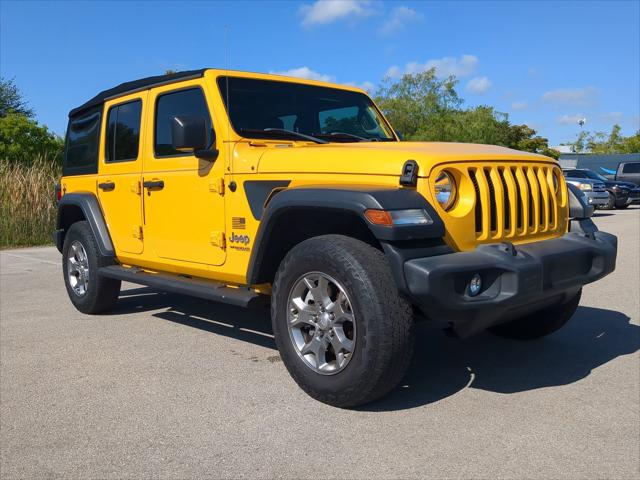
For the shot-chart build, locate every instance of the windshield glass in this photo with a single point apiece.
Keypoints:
(263, 108)
(594, 175)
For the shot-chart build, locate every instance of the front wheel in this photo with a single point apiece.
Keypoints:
(343, 331)
(611, 202)
(541, 323)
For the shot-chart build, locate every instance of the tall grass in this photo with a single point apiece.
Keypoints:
(27, 203)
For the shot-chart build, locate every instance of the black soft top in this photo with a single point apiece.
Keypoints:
(136, 85)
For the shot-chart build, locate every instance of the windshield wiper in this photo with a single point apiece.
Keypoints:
(283, 133)
(344, 135)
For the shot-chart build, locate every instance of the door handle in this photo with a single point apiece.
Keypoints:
(106, 186)
(154, 185)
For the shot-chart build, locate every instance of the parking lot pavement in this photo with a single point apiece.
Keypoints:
(174, 387)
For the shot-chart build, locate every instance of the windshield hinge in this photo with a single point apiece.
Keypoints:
(409, 176)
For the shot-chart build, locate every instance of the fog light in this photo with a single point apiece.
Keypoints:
(475, 285)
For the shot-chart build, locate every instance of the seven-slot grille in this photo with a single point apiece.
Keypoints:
(514, 201)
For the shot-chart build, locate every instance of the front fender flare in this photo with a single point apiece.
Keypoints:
(351, 199)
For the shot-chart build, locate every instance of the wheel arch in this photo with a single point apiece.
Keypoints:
(296, 214)
(80, 206)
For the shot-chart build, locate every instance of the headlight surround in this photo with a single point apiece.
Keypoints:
(446, 190)
(585, 186)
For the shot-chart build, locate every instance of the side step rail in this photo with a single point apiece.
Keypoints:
(218, 292)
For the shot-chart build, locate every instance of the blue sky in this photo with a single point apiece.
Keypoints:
(545, 63)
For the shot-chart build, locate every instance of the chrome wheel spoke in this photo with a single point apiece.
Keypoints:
(340, 341)
(78, 268)
(321, 323)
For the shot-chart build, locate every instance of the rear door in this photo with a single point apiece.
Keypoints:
(120, 171)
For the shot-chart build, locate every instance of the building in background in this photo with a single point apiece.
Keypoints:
(605, 164)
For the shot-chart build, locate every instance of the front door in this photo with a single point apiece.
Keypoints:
(183, 195)
(120, 170)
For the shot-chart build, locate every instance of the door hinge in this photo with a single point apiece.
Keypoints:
(135, 187)
(217, 185)
(136, 231)
(217, 239)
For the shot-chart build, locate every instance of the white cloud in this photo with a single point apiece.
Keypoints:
(519, 105)
(306, 72)
(399, 17)
(327, 11)
(463, 66)
(366, 85)
(569, 119)
(479, 85)
(571, 96)
(611, 117)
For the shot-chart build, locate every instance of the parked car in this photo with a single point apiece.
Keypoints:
(621, 194)
(628, 172)
(594, 190)
(247, 189)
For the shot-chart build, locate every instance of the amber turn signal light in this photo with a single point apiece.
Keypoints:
(379, 217)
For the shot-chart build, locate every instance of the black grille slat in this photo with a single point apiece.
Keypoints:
(492, 199)
(478, 206)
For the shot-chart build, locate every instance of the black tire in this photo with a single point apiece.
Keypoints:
(623, 206)
(611, 203)
(101, 293)
(539, 324)
(384, 322)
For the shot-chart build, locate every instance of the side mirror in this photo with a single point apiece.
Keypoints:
(189, 133)
(578, 205)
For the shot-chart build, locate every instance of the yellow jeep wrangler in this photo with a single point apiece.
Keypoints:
(251, 189)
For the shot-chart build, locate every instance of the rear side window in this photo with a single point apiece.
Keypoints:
(183, 102)
(123, 132)
(631, 167)
(82, 143)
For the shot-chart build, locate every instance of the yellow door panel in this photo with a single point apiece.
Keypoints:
(184, 214)
(120, 172)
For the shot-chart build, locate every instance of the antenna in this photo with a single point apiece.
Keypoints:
(227, 62)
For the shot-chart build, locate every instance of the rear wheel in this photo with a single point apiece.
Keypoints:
(343, 331)
(81, 259)
(539, 324)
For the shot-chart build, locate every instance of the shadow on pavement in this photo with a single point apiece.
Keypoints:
(442, 366)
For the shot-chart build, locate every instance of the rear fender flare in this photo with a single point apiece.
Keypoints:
(88, 204)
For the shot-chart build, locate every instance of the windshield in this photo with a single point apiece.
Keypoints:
(270, 109)
(594, 175)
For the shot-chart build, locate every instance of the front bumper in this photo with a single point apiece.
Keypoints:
(515, 281)
(597, 198)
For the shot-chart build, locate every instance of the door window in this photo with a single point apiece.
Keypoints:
(123, 132)
(189, 102)
(631, 168)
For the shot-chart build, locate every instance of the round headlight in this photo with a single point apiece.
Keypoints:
(445, 190)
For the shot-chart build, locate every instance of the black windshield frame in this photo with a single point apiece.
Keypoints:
(256, 104)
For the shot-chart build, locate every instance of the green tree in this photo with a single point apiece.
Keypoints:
(407, 103)
(11, 100)
(606, 143)
(425, 108)
(22, 140)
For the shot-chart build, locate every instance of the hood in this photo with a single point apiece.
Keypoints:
(380, 158)
(613, 183)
